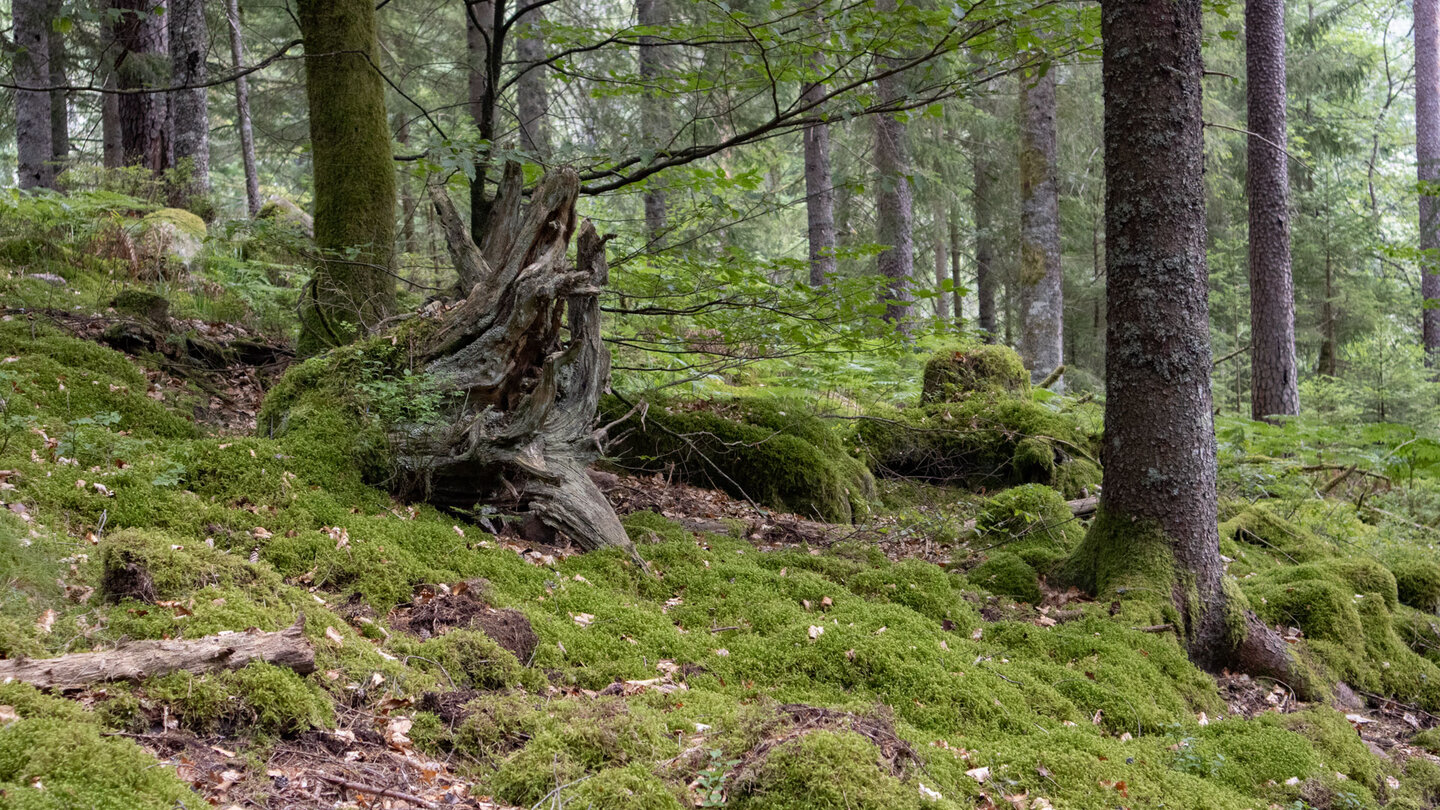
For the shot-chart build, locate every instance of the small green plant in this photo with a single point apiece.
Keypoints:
(710, 783)
(405, 398)
(1188, 760)
(88, 440)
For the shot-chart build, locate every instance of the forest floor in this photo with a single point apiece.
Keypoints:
(758, 659)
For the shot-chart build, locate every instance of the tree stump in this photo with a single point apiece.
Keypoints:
(523, 356)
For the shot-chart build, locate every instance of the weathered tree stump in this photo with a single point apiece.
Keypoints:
(523, 355)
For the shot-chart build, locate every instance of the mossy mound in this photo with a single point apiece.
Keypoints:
(55, 756)
(1006, 574)
(988, 440)
(1417, 579)
(260, 698)
(774, 451)
(1258, 525)
(954, 374)
(1032, 521)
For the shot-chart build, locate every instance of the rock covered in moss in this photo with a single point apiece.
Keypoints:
(142, 304)
(773, 451)
(985, 440)
(169, 241)
(286, 212)
(957, 373)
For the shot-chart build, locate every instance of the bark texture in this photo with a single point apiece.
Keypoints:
(982, 202)
(142, 61)
(242, 110)
(189, 109)
(354, 287)
(940, 237)
(893, 203)
(59, 102)
(1157, 519)
(1427, 151)
(1274, 383)
(654, 114)
(525, 350)
(532, 99)
(1042, 302)
(34, 147)
(482, 57)
(819, 187)
(139, 660)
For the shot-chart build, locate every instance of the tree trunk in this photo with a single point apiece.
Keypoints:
(139, 660)
(523, 433)
(34, 147)
(59, 103)
(893, 202)
(955, 282)
(819, 187)
(654, 115)
(354, 287)
(940, 236)
(142, 62)
(112, 147)
(983, 207)
(1042, 303)
(1427, 151)
(1274, 384)
(532, 99)
(1154, 540)
(189, 109)
(242, 110)
(479, 51)
(1326, 364)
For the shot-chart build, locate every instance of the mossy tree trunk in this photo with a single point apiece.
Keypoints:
(524, 355)
(1155, 540)
(354, 287)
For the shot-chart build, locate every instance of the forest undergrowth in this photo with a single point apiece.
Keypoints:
(904, 639)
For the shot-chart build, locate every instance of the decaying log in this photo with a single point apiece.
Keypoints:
(143, 659)
(523, 353)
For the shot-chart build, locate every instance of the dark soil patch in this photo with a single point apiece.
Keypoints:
(436, 610)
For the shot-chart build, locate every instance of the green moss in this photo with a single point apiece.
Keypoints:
(186, 222)
(142, 304)
(259, 697)
(1005, 573)
(1032, 521)
(773, 451)
(1259, 526)
(633, 786)
(467, 658)
(1417, 578)
(52, 762)
(1077, 478)
(645, 526)
(987, 440)
(956, 373)
(823, 770)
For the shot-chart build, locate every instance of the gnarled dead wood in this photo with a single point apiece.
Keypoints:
(143, 659)
(524, 353)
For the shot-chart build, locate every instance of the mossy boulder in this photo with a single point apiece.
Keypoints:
(957, 373)
(774, 451)
(986, 440)
(1032, 521)
(285, 212)
(1005, 573)
(1258, 525)
(169, 241)
(142, 304)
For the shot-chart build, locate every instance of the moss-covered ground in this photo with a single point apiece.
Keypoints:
(723, 676)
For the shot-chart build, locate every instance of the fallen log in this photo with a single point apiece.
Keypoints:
(143, 659)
